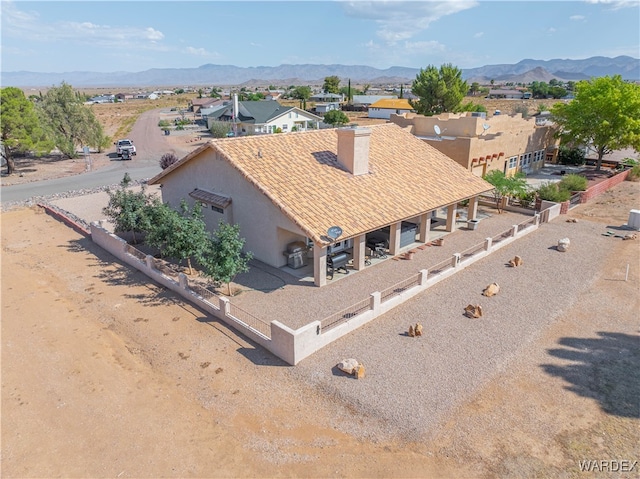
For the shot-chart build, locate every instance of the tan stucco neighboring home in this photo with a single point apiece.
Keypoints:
(198, 104)
(377, 182)
(386, 107)
(509, 143)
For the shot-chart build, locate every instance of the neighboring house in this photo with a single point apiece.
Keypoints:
(199, 103)
(508, 143)
(327, 98)
(102, 99)
(386, 107)
(327, 107)
(265, 116)
(124, 96)
(366, 100)
(372, 183)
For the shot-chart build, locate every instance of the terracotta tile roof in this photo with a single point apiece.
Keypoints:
(299, 173)
(392, 104)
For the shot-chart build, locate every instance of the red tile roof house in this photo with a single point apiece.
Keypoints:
(293, 187)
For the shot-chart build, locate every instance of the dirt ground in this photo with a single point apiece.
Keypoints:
(107, 375)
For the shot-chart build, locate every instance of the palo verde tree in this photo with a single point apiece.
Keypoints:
(438, 90)
(331, 84)
(336, 118)
(69, 122)
(223, 258)
(20, 126)
(605, 116)
(505, 185)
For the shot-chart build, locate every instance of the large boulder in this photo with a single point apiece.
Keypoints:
(491, 290)
(348, 366)
(473, 311)
(418, 329)
(563, 244)
(515, 262)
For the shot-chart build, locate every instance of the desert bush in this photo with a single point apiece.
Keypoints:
(167, 160)
(552, 192)
(164, 123)
(573, 183)
(634, 174)
(570, 156)
(220, 129)
(527, 198)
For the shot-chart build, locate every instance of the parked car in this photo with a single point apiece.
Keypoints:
(125, 144)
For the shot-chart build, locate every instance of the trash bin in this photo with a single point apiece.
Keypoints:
(166, 132)
(472, 224)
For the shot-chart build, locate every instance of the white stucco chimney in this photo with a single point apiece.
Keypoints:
(353, 149)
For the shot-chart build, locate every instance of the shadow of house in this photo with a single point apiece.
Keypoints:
(606, 369)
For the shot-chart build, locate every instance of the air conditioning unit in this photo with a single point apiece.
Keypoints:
(479, 114)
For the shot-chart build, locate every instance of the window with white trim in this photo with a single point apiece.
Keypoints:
(513, 162)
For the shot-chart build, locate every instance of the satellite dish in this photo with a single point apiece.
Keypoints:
(436, 128)
(485, 126)
(334, 232)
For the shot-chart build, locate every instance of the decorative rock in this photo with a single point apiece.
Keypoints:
(412, 333)
(515, 262)
(348, 366)
(629, 237)
(491, 290)
(438, 242)
(563, 244)
(572, 220)
(472, 311)
(418, 329)
(360, 371)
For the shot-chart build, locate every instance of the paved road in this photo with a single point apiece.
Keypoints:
(150, 144)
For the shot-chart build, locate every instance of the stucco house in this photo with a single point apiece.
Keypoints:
(371, 183)
(367, 100)
(509, 143)
(265, 116)
(386, 107)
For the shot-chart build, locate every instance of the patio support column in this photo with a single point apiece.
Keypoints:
(394, 238)
(425, 227)
(472, 211)
(451, 218)
(358, 252)
(319, 265)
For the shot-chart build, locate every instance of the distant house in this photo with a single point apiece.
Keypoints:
(198, 103)
(327, 107)
(265, 116)
(366, 100)
(102, 99)
(124, 96)
(387, 107)
(327, 98)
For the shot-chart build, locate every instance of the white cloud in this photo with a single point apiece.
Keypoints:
(398, 20)
(201, 52)
(478, 35)
(616, 4)
(551, 30)
(577, 18)
(27, 25)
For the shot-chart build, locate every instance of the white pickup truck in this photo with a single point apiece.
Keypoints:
(125, 144)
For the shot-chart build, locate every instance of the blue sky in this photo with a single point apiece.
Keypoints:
(52, 36)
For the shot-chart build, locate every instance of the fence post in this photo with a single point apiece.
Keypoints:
(514, 230)
(224, 305)
(455, 260)
(537, 222)
(487, 243)
(424, 274)
(183, 281)
(375, 302)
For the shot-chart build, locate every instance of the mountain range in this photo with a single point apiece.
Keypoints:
(524, 71)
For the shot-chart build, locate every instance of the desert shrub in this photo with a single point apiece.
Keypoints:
(552, 192)
(220, 129)
(164, 123)
(570, 156)
(634, 174)
(167, 160)
(573, 183)
(527, 198)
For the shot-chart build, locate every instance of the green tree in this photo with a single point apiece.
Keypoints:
(505, 185)
(336, 118)
(127, 209)
(475, 88)
(539, 89)
(20, 126)
(570, 156)
(69, 122)
(223, 259)
(302, 93)
(438, 90)
(557, 92)
(605, 115)
(331, 84)
(470, 106)
(182, 235)
(220, 129)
